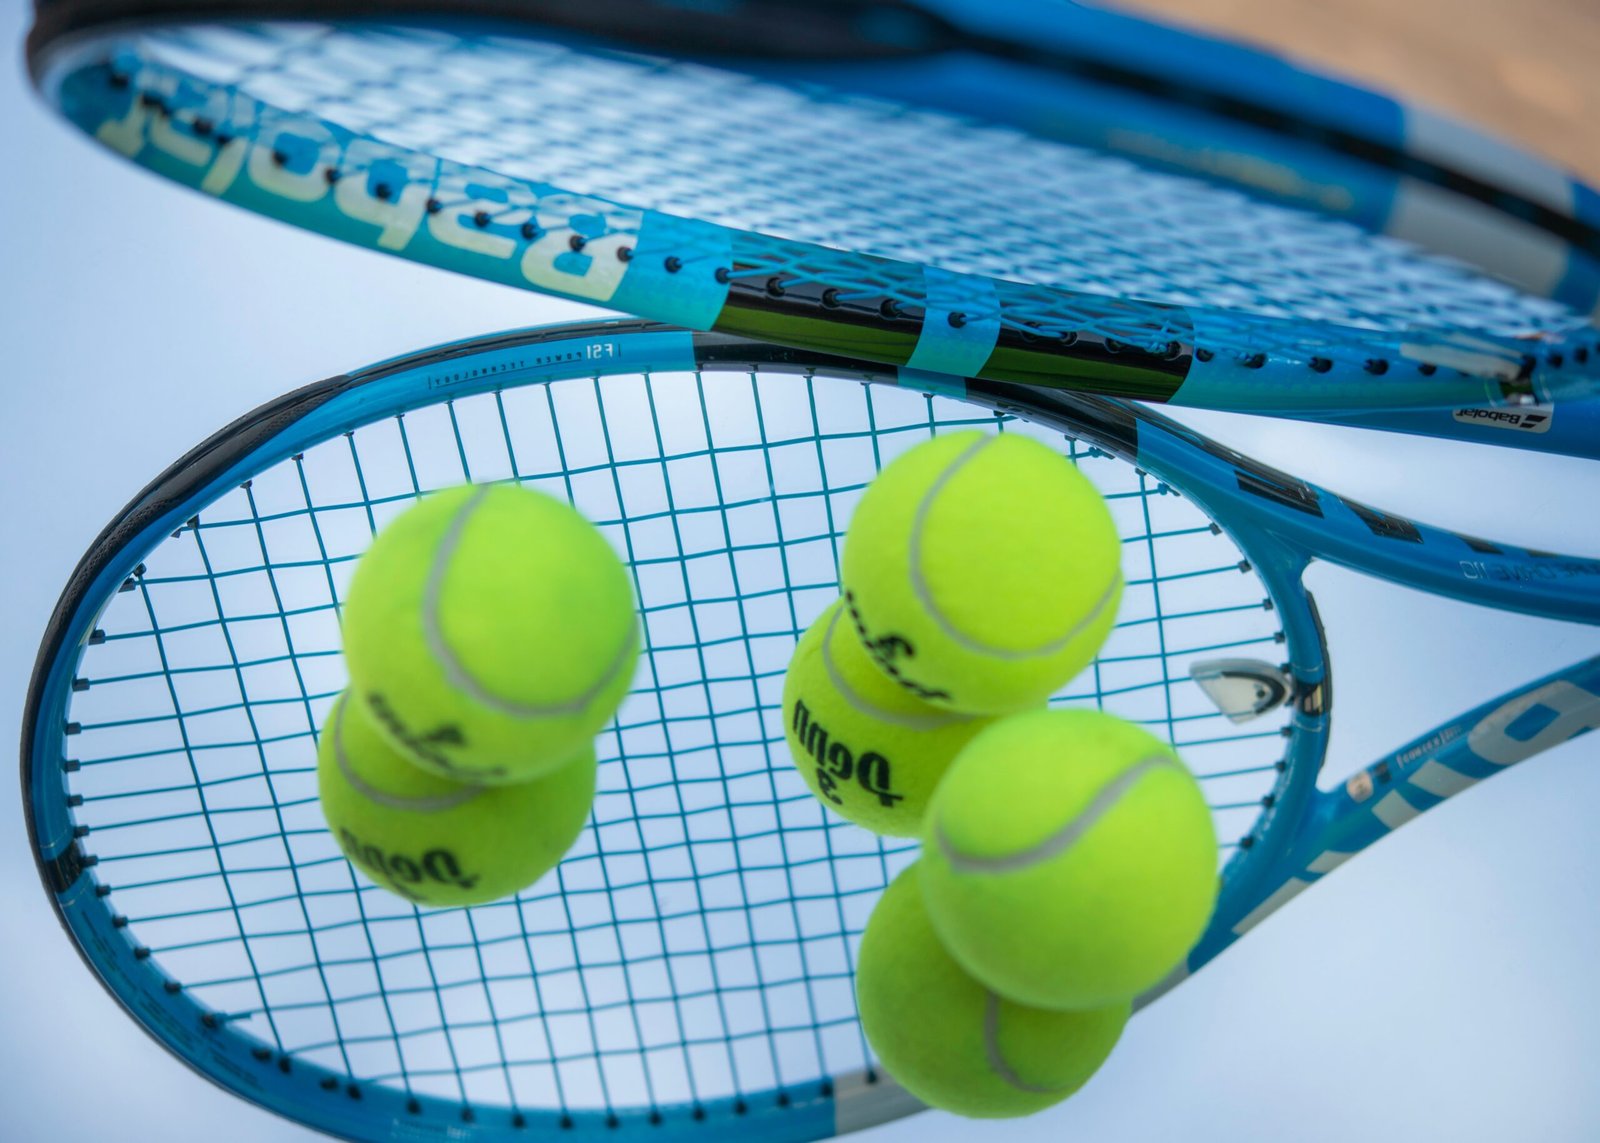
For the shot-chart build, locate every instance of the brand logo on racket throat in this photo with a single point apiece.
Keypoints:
(1527, 419)
(891, 652)
(1554, 569)
(837, 762)
(431, 745)
(1427, 747)
(410, 873)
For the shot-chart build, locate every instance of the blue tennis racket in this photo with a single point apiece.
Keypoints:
(1031, 192)
(688, 968)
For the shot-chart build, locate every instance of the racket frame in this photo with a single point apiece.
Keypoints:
(1298, 838)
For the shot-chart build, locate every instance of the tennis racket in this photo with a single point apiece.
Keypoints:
(1030, 192)
(688, 967)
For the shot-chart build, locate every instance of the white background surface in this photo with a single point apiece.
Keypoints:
(1439, 988)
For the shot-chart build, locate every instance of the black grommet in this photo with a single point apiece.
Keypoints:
(775, 288)
(1427, 368)
(1376, 366)
(830, 298)
(723, 275)
(890, 309)
(434, 206)
(673, 264)
(383, 191)
(529, 231)
(957, 320)
(481, 219)
(1254, 361)
(577, 242)
(624, 253)
(1320, 365)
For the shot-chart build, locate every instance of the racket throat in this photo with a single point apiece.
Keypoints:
(1243, 689)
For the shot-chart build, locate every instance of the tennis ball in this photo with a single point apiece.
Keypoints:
(490, 633)
(864, 745)
(982, 571)
(953, 1043)
(1070, 860)
(434, 841)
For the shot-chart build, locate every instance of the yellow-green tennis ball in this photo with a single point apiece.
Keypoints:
(865, 746)
(1070, 859)
(438, 842)
(490, 633)
(953, 1043)
(982, 571)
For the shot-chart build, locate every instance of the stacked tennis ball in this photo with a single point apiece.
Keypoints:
(1069, 860)
(489, 633)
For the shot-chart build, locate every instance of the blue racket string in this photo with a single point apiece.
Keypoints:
(697, 943)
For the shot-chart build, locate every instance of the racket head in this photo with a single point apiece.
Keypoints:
(838, 204)
(167, 756)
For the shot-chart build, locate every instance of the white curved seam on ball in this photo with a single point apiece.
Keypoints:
(389, 801)
(924, 594)
(457, 674)
(1064, 838)
(997, 1059)
(862, 706)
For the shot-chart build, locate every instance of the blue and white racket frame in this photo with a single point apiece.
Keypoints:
(1052, 73)
(1280, 522)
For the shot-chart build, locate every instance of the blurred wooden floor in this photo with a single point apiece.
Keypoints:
(1528, 70)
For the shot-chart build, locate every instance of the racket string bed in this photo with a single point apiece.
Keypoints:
(731, 149)
(664, 186)
(693, 954)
